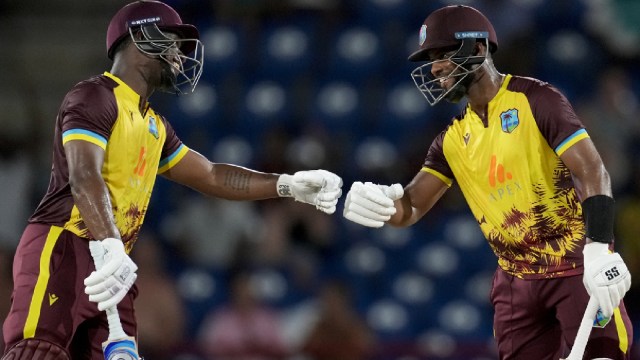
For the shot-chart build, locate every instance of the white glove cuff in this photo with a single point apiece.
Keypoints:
(592, 250)
(284, 185)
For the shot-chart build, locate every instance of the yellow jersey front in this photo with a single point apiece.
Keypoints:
(138, 146)
(509, 169)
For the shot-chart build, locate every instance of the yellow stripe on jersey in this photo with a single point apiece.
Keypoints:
(79, 134)
(444, 179)
(622, 330)
(170, 161)
(41, 284)
(571, 140)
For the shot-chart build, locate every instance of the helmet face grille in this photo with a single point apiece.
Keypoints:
(464, 60)
(156, 43)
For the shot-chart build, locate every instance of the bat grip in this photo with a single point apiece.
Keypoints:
(115, 326)
(582, 337)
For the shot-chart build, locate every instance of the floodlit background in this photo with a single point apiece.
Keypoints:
(304, 84)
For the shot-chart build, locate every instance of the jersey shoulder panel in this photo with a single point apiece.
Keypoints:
(435, 159)
(90, 106)
(554, 115)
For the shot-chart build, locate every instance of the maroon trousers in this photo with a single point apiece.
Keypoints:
(539, 319)
(48, 300)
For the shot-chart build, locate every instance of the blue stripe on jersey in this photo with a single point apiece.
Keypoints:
(166, 160)
(571, 137)
(98, 137)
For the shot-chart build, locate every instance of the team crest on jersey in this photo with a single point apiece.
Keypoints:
(153, 127)
(509, 120)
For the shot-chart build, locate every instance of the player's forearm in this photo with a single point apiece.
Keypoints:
(91, 196)
(234, 182)
(405, 213)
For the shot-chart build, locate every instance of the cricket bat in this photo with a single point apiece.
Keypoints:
(582, 337)
(119, 345)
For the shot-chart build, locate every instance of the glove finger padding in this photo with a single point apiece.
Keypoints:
(367, 205)
(118, 296)
(375, 204)
(115, 273)
(359, 219)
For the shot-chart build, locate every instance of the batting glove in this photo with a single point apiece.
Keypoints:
(371, 205)
(316, 187)
(606, 276)
(115, 274)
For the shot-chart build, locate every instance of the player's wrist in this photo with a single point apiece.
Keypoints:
(598, 214)
(284, 185)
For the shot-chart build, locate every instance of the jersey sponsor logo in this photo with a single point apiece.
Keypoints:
(153, 127)
(509, 120)
(501, 180)
(52, 298)
(141, 165)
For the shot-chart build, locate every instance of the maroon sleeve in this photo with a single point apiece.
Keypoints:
(172, 143)
(90, 105)
(552, 111)
(435, 157)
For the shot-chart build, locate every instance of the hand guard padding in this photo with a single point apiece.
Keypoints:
(111, 281)
(316, 187)
(371, 205)
(606, 276)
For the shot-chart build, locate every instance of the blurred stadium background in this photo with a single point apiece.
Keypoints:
(300, 84)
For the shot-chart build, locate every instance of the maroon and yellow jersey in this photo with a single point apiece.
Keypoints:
(105, 111)
(509, 169)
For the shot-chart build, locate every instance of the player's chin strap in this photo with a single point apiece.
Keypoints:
(155, 42)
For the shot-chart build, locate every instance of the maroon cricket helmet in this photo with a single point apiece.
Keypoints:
(448, 26)
(149, 12)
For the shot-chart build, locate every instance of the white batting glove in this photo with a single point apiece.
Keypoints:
(371, 205)
(316, 187)
(606, 276)
(115, 274)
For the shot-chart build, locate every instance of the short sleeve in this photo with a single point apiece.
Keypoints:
(173, 150)
(88, 113)
(435, 163)
(556, 118)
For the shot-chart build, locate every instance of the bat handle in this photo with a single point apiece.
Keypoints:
(582, 337)
(115, 326)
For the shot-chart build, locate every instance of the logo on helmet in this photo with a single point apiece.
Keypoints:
(150, 20)
(471, 35)
(423, 34)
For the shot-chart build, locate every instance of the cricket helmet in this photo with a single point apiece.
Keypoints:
(449, 26)
(153, 27)
(455, 28)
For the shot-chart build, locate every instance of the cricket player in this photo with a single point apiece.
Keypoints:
(109, 146)
(535, 184)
